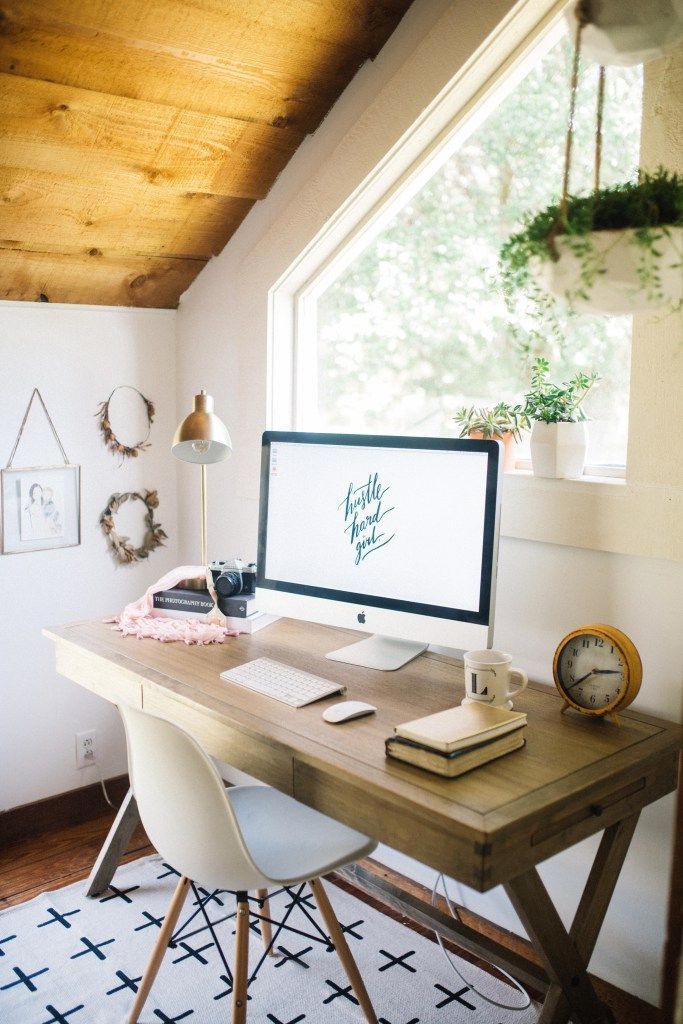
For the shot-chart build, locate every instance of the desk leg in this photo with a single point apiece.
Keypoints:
(592, 908)
(114, 846)
(566, 954)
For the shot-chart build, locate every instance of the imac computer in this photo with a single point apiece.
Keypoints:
(396, 536)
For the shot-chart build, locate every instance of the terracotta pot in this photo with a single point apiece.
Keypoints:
(627, 32)
(617, 288)
(509, 444)
(558, 450)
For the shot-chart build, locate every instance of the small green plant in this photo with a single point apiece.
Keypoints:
(492, 422)
(552, 403)
(651, 206)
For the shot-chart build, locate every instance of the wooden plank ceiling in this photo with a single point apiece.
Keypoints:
(135, 135)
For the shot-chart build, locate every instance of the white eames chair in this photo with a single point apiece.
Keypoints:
(240, 839)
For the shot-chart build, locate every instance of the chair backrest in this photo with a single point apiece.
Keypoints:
(183, 805)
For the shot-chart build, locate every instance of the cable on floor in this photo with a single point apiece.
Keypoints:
(454, 914)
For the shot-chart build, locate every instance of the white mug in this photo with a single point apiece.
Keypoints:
(487, 678)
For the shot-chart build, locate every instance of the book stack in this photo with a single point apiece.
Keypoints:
(452, 742)
(250, 623)
(185, 603)
(182, 603)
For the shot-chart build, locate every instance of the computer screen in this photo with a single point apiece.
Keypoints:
(396, 535)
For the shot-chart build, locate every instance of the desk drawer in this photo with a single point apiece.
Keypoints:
(262, 759)
(596, 809)
(442, 846)
(102, 676)
(527, 842)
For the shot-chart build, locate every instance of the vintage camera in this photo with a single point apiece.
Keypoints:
(233, 578)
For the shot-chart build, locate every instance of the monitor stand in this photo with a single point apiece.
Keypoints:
(383, 652)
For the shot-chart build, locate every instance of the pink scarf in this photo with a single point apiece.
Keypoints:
(137, 620)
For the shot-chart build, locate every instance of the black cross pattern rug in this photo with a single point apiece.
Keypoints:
(67, 959)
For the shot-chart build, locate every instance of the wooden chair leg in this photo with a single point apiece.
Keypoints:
(241, 969)
(172, 914)
(342, 948)
(266, 927)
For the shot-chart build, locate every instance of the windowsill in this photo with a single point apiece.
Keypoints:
(527, 474)
(600, 513)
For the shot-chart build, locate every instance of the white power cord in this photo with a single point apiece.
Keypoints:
(454, 914)
(104, 788)
(100, 779)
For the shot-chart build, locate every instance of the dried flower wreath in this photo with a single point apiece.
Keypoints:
(121, 546)
(110, 439)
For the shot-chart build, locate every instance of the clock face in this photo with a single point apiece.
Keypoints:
(591, 671)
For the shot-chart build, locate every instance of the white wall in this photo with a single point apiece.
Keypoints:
(543, 590)
(76, 355)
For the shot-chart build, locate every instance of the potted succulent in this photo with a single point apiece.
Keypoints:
(558, 435)
(618, 250)
(501, 422)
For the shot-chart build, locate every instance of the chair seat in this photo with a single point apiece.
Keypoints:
(290, 842)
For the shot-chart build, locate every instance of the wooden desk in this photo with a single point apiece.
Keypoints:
(492, 826)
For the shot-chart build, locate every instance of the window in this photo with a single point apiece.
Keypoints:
(355, 190)
(413, 325)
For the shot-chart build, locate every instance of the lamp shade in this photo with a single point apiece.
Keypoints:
(202, 437)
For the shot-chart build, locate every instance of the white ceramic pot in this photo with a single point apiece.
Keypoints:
(558, 449)
(616, 288)
(626, 32)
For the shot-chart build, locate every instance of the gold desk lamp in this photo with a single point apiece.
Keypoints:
(202, 438)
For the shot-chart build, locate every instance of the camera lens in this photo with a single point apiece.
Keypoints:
(229, 583)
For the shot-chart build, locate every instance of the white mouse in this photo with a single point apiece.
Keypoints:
(346, 710)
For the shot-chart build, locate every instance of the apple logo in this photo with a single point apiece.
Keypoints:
(361, 617)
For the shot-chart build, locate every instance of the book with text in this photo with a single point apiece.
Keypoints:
(458, 761)
(461, 726)
(182, 603)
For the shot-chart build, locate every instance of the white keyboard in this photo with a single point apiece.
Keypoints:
(281, 682)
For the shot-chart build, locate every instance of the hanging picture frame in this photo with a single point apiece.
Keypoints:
(40, 506)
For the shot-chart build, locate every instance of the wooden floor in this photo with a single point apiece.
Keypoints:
(62, 855)
(57, 857)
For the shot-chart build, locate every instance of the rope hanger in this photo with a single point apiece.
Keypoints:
(23, 424)
(582, 21)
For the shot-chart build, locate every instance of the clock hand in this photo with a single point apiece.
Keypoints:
(577, 681)
(595, 672)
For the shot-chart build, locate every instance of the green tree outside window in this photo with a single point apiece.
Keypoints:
(416, 326)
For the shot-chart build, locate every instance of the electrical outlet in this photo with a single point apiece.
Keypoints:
(86, 750)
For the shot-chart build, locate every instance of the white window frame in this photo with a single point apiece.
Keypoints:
(630, 514)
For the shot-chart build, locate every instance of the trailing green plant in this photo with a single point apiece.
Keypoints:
(553, 403)
(493, 421)
(651, 206)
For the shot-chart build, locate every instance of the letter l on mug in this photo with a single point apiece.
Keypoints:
(488, 675)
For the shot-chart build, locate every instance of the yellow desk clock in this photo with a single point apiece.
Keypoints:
(597, 670)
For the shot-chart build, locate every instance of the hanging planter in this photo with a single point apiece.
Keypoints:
(617, 271)
(627, 32)
(618, 250)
